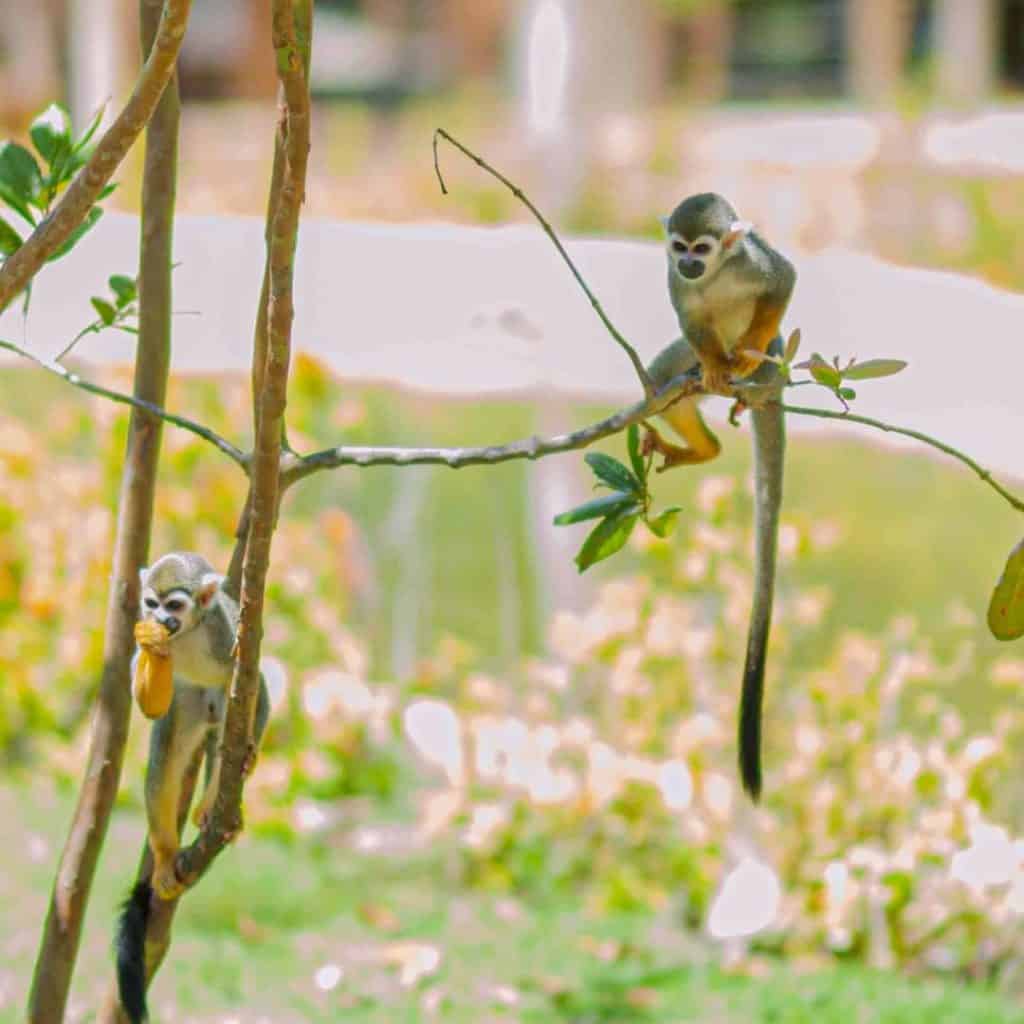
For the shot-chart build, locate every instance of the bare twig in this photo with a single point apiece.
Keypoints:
(932, 442)
(529, 448)
(55, 229)
(222, 444)
(638, 366)
(72, 885)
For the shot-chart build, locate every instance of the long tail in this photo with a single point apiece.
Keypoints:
(769, 447)
(130, 951)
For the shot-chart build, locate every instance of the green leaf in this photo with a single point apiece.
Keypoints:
(607, 537)
(874, 368)
(595, 509)
(822, 372)
(123, 287)
(1006, 609)
(106, 311)
(20, 178)
(792, 346)
(847, 393)
(51, 133)
(636, 459)
(93, 215)
(664, 522)
(9, 238)
(612, 472)
(106, 190)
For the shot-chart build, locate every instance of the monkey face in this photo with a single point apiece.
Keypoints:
(176, 595)
(693, 260)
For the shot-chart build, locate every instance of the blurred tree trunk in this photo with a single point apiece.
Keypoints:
(965, 42)
(100, 38)
(877, 39)
(29, 73)
(253, 75)
(109, 732)
(474, 31)
(707, 44)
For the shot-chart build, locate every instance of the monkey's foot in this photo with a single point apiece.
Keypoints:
(738, 407)
(673, 454)
(165, 881)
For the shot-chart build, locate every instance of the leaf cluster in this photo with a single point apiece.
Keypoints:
(30, 182)
(619, 511)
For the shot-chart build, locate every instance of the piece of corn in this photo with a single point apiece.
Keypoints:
(153, 685)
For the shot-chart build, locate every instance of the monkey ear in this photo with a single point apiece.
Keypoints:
(208, 587)
(664, 223)
(737, 229)
(143, 573)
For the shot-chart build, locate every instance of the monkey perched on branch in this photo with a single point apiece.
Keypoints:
(730, 290)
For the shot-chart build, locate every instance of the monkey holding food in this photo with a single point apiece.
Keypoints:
(187, 627)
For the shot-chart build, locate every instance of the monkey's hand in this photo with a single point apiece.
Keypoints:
(151, 636)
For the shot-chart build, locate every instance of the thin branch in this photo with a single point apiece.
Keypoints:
(638, 366)
(932, 442)
(528, 448)
(21, 266)
(109, 731)
(225, 820)
(222, 444)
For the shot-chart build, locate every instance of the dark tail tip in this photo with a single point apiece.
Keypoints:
(750, 727)
(130, 952)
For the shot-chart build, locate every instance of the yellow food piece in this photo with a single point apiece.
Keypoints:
(153, 684)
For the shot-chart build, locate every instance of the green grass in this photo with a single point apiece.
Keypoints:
(248, 942)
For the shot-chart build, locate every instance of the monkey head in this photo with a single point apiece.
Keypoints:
(703, 232)
(177, 590)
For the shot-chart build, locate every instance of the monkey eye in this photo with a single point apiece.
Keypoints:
(151, 602)
(175, 605)
(702, 248)
(679, 246)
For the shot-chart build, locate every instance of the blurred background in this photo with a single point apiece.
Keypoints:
(493, 789)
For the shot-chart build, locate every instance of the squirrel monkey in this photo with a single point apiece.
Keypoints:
(186, 615)
(730, 290)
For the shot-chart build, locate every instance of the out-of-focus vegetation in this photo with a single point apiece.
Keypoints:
(369, 165)
(597, 771)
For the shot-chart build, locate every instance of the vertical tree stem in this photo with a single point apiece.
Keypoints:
(62, 930)
(292, 29)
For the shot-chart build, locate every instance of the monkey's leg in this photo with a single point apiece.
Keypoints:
(763, 330)
(215, 739)
(685, 419)
(214, 702)
(678, 360)
(173, 742)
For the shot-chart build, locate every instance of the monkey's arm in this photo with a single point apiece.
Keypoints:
(769, 443)
(215, 740)
(768, 313)
(677, 360)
